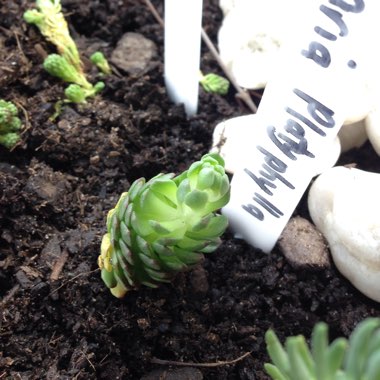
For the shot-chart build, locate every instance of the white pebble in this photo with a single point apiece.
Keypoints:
(344, 205)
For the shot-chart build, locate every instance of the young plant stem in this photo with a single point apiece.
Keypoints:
(241, 93)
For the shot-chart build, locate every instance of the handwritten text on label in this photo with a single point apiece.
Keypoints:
(292, 141)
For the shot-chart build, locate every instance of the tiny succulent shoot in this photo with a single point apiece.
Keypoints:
(66, 65)
(357, 358)
(100, 61)
(164, 226)
(10, 124)
(214, 83)
(59, 67)
(53, 26)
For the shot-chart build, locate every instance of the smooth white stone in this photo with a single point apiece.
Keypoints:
(252, 33)
(229, 143)
(352, 135)
(250, 37)
(372, 125)
(344, 205)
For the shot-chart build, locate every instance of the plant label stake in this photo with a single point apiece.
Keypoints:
(302, 110)
(183, 26)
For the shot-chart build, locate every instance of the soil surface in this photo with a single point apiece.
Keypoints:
(57, 318)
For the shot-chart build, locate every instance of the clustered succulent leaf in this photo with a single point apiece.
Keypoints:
(164, 226)
(100, 61)
(214, 83)
(10, 124)
(355, 359)
(66, 65)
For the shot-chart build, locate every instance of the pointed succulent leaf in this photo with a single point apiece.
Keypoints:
(108, 278)
(158, 227)
(162, 250)
(277, 352)
(122, 205)
(183, 189)
(334, 357)
(126, 252)
(196, 199)
(120, 289)
(211, 245)
(358, 346)
(372, 369)
(188, 257)
(202, 223)
(100, 61)
(214, 228)
(298, 358)
(135, 188)
(157, 275)
(275, 372)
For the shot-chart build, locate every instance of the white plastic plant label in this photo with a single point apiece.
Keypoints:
(183, 28)
(302, 110)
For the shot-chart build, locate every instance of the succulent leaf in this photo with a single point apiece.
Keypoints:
(355, 359)
(60, 67)
(10, 124)
(214, 83)
(163, 226)
(100, 61)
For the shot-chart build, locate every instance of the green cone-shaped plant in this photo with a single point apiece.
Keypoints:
(355, 359)
(164, 226)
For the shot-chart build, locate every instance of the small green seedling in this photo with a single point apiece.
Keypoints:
(100, 61)
(53, 26)
(214, 83)
(10, 124)
(66, 65)
(164, 226)
(355, 359)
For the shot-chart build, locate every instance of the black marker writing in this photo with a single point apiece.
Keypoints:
(290, 142)
(318, 52)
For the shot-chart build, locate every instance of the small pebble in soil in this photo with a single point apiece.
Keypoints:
(303, 245)
(134, 53)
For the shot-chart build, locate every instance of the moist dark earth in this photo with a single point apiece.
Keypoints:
(58, 320)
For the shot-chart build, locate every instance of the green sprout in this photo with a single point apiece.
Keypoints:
(66, 65)
(214, 83)
(164, 226)
(100, 61)
(53, 26)
(10, 124)
(355, 359)
(59, 67)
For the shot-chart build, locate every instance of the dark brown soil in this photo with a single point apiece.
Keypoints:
(58, 320)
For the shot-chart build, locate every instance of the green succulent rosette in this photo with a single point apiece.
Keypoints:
(164, 226)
